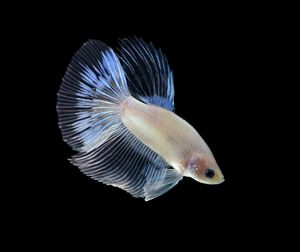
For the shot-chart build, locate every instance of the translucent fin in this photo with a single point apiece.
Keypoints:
(123, 161)
(87, 103)
(148, 73)
(90, 117)
(160, 185)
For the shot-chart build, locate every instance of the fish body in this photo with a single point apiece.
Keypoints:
(163, 131)
(121, 120)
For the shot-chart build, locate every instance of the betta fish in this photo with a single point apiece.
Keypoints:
(116, 110)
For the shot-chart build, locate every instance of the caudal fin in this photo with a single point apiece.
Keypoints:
(92, 88)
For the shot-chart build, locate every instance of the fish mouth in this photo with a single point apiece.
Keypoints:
(220, 181)
(212, 182)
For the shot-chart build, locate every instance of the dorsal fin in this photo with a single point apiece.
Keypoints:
(149, 76)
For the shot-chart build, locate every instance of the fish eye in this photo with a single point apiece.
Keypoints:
(209, 173)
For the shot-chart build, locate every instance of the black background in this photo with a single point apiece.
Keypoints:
(219, 65)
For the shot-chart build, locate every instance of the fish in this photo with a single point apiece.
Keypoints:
(116, 110)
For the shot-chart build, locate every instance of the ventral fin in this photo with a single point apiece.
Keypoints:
(160, 185)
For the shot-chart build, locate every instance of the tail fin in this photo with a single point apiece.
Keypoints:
(92, 88)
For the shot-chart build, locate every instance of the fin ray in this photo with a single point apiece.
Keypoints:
(124, 162)
(160, 185)
(92, 88)
(149, 76)
(89, 115)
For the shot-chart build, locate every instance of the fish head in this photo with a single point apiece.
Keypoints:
(203, 168)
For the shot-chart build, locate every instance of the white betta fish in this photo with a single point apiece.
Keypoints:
(118, 113)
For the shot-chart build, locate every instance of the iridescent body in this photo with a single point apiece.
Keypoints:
(124, 127)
